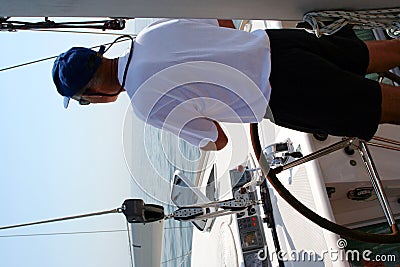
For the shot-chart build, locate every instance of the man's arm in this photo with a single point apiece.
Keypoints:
(220, 143)
(227, 23)
(222, 139)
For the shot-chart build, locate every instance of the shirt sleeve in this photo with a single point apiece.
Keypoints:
(181, 119)
(199, 132)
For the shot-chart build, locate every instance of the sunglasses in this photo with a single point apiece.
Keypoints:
(83, 101)
(78, 97)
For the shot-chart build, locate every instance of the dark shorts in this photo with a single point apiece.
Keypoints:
(318, 84)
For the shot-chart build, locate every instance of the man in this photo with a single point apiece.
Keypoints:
(186, 76)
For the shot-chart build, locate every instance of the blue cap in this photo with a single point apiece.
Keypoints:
(73, 69)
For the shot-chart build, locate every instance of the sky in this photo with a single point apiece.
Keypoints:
(56, 162)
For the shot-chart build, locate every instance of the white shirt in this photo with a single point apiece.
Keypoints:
(185, 73)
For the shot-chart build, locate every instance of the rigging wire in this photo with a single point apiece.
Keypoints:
(81, 232)
(184, 255)
(185, 259)
(62, 233)
(178, 227)
(117, 210)
(47, 58)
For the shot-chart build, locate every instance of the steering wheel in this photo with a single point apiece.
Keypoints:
(393, 237)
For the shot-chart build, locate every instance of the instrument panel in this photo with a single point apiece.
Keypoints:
(250, 225)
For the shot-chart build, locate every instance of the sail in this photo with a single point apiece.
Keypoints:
(147, 243)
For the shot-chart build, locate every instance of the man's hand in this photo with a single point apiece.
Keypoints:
(220, 143)
(227, 23)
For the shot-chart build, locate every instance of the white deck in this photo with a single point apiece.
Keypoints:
(339, 173)
(305, 182)
(221, 246)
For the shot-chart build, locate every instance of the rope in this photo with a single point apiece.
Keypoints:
(388, 19)
(9, 25)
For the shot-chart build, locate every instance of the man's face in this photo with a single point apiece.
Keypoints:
(100, 85)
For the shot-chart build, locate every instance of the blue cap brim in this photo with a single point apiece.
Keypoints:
(66, 101)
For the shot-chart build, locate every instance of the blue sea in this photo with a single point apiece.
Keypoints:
(167, 153)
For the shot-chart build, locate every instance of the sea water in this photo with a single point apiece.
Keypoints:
(166, 154)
